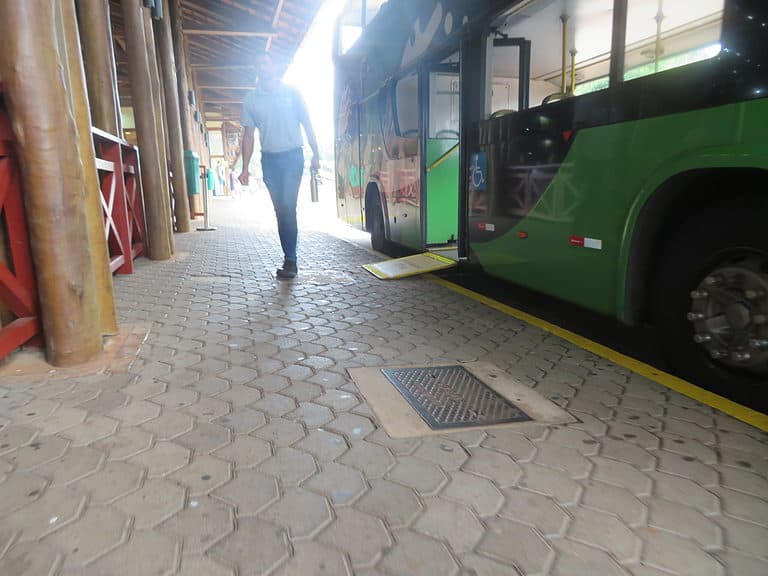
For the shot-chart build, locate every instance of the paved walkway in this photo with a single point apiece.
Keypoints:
(237, 444)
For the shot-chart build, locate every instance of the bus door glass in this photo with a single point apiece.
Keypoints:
(442, 153)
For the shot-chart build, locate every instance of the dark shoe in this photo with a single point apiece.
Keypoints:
(289, 270)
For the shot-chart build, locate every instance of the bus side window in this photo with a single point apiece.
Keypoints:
(683, 33)
(406, 114)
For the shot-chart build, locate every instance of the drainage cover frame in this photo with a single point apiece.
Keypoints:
(451, 396)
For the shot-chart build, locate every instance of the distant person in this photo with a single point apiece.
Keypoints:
(278, 111)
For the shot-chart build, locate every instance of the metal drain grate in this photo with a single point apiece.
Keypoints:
(452, 397)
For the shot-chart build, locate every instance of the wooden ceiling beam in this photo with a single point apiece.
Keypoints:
(278, 10)
(198, 30)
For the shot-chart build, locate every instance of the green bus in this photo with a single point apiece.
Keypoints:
(609, 153)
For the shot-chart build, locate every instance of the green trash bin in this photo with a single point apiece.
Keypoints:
(192, 172)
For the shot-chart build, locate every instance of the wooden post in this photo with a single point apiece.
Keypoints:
(180, 59)
(173, 116)
(93, 209)
(100, 68)
(45, 128)
(162, 128)
(148, 131)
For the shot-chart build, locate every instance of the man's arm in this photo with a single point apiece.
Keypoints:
(247, 150)
(311, 139)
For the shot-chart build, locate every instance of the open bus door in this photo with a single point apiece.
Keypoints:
(441, 85)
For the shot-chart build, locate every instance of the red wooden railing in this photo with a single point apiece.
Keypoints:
(117, 162)
(18, 288)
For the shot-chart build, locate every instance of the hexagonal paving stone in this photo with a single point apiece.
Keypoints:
(614, 500)
(245, 451)
(511, 542)
(136, 413)
(371, 459)
(62, 419)
(338, 400)
(94, 428)
(447, 454)
(474, 491)
(536, 510)
(497, 467)
(301, 512)
(281, 432)
(126, 442)
(302, 391)
(32, 558)
(550, 482)
(396, 504)
(744, 506)
(203, 566)
(203, 522)
(113, 481)
(289, 465)
(55, 508)
(312, 558)
(18, 490)
(176, 398)
(98, 531)
(240, 396)
(684, 491)
(169, 425)
(352, 426)
(275, 405)
(573, 558)
(516, 445)
(341, 484)
(323, 445)
(311, 415)
(250, 492)
(417, 555)
(361, 536)
(204, 438)
(203, 474)
(154, 502)
(242, 420)
(39, 452)
(606, 532)
(569, 460)
(208, 409)
(621, 474)
(145, 553)
(421, 475)
(76, 463)
(13, 437)
(677, 555)
(256, 547)
(450, 522)
(162, 459)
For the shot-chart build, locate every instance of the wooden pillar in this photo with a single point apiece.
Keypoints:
(45, 128)
(180, 59)
(93, 208)
(148, 131)
(101, 72)
(173, 117)
(162, 128)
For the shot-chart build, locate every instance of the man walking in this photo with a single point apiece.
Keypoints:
(278, 112)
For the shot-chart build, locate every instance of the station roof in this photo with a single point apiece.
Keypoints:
(223, 38)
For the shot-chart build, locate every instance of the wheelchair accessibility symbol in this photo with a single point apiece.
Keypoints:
(478, 170)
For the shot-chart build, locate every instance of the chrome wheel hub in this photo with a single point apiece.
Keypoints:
(729, 313)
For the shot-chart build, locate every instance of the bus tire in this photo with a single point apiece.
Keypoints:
(378, 230)
(701, 330)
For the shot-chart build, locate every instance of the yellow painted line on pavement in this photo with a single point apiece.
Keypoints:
(738, 411)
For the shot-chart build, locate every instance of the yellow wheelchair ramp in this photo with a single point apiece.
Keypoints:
(409, 266)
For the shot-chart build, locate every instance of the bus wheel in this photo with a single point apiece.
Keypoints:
(378, 235)
(711, 300)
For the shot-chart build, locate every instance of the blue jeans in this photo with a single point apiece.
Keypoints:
(282, 175)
